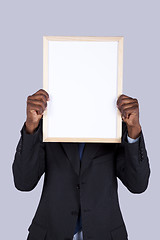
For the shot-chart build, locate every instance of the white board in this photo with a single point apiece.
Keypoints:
(82, 82)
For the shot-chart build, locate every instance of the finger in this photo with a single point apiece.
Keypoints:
(41, 97)
(128, 111)
(35, 107)
(126, 101)
(127, 105)
(122, 96)
(42, 91)
(38, 102)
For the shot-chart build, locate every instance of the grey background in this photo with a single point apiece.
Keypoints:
(22, 25)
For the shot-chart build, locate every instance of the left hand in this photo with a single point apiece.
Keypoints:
(129, 109)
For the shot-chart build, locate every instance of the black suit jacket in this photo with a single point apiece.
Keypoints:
(70, 184)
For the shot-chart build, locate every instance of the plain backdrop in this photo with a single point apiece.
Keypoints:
(22, 26)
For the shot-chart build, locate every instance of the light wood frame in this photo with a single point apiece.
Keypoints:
(119, 40)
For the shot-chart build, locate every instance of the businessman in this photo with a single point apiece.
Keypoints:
(79, 198)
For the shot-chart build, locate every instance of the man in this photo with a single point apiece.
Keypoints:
(79, 198)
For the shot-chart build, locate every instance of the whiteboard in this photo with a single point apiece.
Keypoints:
(83, 77)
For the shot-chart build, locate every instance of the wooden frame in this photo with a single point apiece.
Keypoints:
(52, 48)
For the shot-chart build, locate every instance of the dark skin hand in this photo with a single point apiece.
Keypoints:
(36, 105)
(129, 109)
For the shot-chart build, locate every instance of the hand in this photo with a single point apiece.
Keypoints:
(36, 105)
(129, 109)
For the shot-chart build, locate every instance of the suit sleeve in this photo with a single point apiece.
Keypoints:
(29, 160)
(132, 163)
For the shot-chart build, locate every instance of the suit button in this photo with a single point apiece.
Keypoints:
(78, 186)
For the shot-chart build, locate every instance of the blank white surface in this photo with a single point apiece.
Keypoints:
(82, 86)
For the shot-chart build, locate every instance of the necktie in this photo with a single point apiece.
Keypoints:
(79, 221)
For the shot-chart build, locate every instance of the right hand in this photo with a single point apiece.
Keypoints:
(36, 105)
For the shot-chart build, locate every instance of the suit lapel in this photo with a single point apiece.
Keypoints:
(89, 152)
(71, 150)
